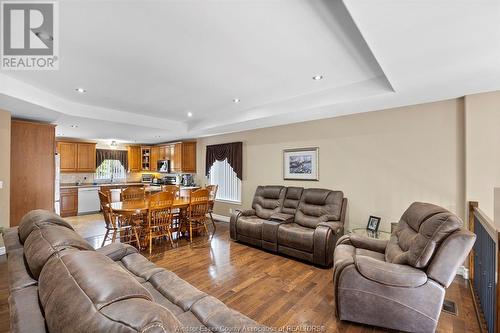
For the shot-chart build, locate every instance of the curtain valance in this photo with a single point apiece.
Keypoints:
(110, 154)
(232, 151)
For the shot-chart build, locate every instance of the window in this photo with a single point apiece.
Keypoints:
(222, 174)
(110, 169)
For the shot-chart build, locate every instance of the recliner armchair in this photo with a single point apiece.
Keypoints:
(400, 283)
(302, 223)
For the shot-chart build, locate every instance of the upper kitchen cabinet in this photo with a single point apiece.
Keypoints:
(76, 156)
(183, 157)
(164, 152)
(68, 156)
(86, 157)
(134, 158)
(155, 156)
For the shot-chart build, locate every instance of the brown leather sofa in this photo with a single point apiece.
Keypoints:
(400, 283)
(59, 283)
(302, 223)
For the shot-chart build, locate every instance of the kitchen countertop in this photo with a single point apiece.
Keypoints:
(71, 185)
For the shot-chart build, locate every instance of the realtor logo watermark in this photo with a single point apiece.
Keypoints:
(29, 35)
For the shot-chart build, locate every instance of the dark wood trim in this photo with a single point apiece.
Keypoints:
(477, 309)
(472, 205)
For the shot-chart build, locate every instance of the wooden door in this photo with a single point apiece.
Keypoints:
(189, 157)
(69, 202)
(176, 157)
(32, 168)
(155, 156)
(68, 152)
(86, 157)
(134, 158)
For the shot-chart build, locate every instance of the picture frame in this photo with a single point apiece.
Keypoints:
(301, 164)
(373, 223)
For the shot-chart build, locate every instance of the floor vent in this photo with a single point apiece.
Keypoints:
(450, 307)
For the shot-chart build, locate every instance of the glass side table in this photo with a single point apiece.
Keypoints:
(367, 233)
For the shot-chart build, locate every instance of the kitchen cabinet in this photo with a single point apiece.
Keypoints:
(32, 168)
(69, 202)
(134, 159)
(146, 158)
(183, 157)
(76, 156)
(164, 152)
(86, 157)
(155, 156)
(68, 152)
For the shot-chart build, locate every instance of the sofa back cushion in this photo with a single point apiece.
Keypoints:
(84, 291)
(292, 200)
(36, 218)
(47, 240)
(421, 230)
(268, 200)
(319, 205)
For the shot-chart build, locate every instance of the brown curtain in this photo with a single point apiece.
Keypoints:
(232, 151)
(110, 154)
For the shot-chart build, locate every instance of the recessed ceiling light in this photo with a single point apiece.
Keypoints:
(236, 100)
(158, 136)
(190, 114)
(81, 90)
(318, 77)
(74, 126)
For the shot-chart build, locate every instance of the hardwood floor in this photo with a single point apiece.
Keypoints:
(271, 289)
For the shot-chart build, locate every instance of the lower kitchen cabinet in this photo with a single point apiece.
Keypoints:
(69, 202)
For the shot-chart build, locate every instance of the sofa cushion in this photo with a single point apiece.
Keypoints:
(250, 226)
(319, 205)
(25, 313)
(292, 200)
(19, 277)
(11, 239)
(420, 231)
(176, 290)
(36, 218)
(219, 318)
(296, 236)
(73, 299)
(47, 240)
(268, 200)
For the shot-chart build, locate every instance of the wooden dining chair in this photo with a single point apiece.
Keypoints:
(212, 193)
(197, 212)
(115, 224)
(133, 193)
(160, 217)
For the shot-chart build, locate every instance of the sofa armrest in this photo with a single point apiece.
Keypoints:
(335, 226)
(246, 212)
(116, 251)
(368, 243)
(282, 217)
(394, 275)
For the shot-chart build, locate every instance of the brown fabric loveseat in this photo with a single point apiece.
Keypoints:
(59, 283)
(400, 283)
(302, 223)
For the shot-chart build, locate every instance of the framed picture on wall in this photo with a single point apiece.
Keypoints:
(301, 164)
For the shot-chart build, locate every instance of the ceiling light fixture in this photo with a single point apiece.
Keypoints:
(81, 90)
(113, 143)
(190, 114)
(236, 100)
(318, 77)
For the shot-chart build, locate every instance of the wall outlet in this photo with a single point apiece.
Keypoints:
(1, 184)
(230, 210)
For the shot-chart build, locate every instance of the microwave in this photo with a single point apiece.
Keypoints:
(147, 178)
(163, 166)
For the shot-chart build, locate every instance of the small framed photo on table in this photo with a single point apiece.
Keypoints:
(300, 164)
(373, 223)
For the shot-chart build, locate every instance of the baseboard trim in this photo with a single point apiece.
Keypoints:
(2, 250)
(463, 272)
(220, 217)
